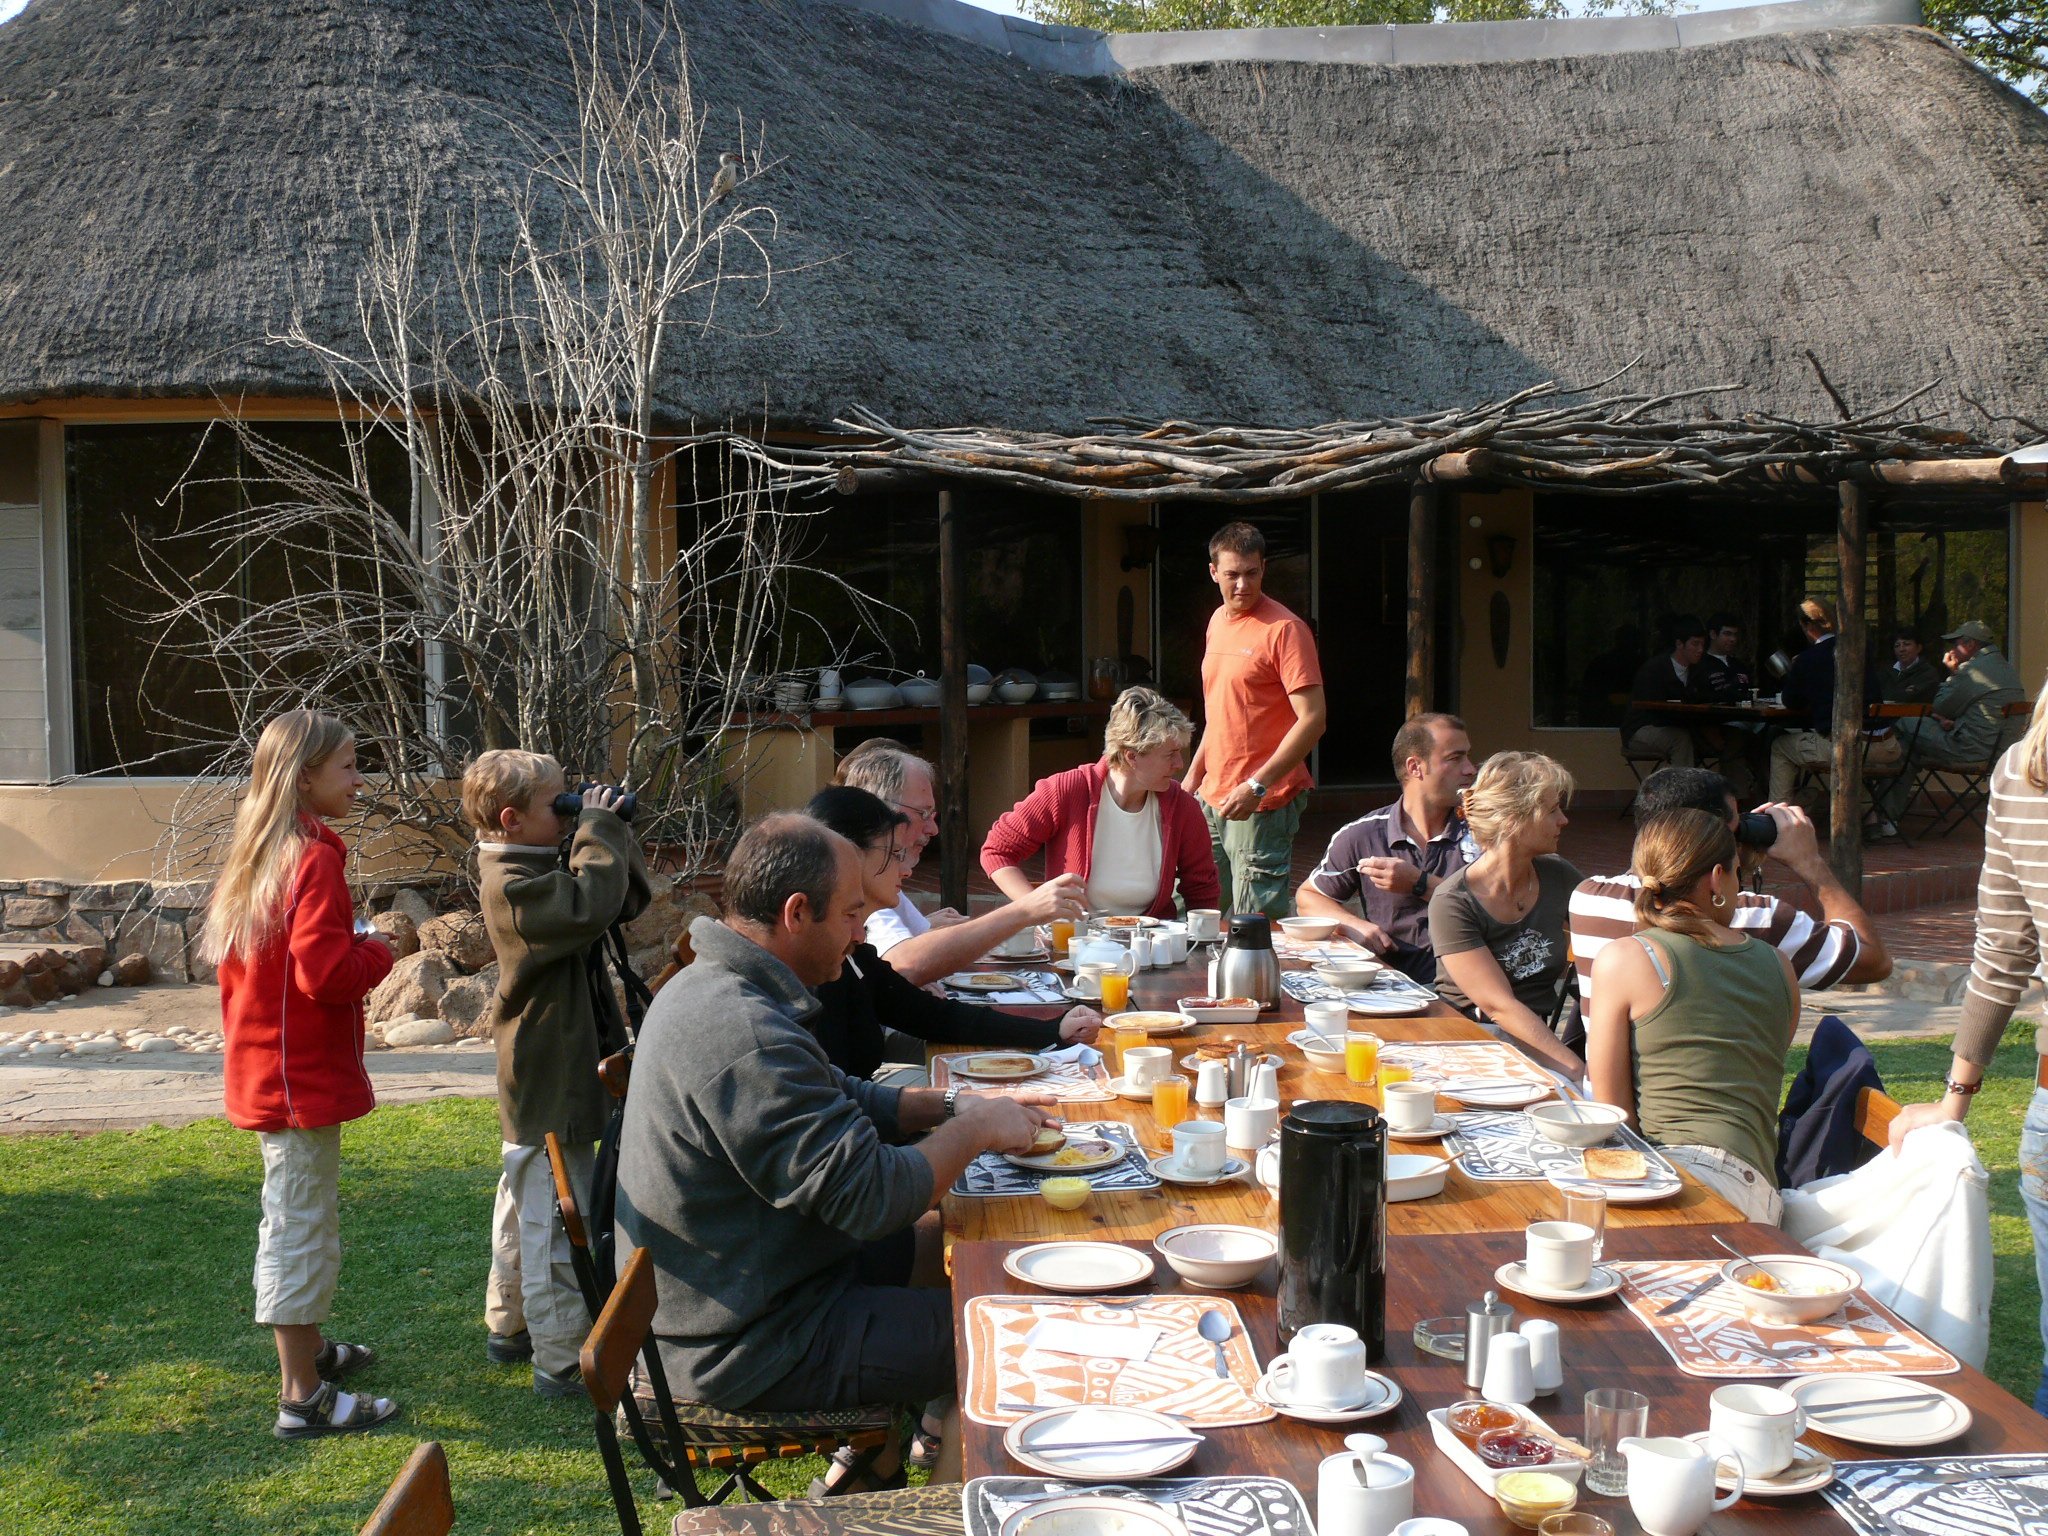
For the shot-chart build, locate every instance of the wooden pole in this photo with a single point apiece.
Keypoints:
(1845, 805)
(954, 832)
(1421, 688)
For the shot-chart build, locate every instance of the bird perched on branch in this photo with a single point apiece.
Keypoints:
(728, 177)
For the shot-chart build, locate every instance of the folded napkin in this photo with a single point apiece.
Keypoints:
(1093, 1341)
(1079, 1055)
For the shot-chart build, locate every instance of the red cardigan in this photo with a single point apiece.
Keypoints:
(1059, 816)
(293, 1011)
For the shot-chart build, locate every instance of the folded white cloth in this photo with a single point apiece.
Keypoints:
(1917, 1227)
(1093, 1341)
(1079, 1055)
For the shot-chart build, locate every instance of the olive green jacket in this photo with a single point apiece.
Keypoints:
(542, 918)
(1975, 698)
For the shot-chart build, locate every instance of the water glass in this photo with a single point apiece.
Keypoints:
(1588, 1207)
(1612, 1415)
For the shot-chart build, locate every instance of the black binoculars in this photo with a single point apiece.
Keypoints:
(571, 803)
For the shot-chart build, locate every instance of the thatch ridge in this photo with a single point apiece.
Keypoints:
(971, 240)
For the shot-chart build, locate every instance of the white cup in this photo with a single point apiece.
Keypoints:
(1329, 1020)
(1198, 1146)
(1170, 949)
(1323, 1368)
(1409, 1106)
(1560, 1254)
(1760, 1423)
(1024, 941)
(1205, 925)
(1146, 1064)
(1250, 1123)
(1088, 978)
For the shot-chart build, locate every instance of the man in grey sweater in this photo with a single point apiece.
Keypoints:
(783, 1219)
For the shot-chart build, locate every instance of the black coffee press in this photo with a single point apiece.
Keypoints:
(1333, 1220)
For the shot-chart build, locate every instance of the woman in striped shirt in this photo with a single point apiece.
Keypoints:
(2012, 918)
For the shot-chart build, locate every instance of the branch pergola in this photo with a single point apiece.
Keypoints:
(1545, 437)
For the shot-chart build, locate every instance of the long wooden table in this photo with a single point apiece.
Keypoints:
(1466, 1204)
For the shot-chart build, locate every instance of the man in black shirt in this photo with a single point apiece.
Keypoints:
(1722, 677)
(1665, 677)
(1911, 678)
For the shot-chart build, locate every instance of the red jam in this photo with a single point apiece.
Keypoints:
(1471, 1419)
(1514, 1448)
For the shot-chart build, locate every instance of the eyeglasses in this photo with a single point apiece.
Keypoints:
(917, 812)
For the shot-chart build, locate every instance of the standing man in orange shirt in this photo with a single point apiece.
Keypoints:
(1262, 690)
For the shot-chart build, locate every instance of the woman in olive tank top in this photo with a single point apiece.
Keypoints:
(1692, 1021)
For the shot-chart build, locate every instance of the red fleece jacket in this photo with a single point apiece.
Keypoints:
(1059, 816)
(293, 1011)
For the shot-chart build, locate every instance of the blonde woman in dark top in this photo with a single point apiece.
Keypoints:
(1692, 1020)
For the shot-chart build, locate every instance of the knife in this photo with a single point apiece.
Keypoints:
(1816, 1411)
(1109, 1445)
(1690, 1296)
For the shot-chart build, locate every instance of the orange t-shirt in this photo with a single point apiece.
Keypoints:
(1253, 662)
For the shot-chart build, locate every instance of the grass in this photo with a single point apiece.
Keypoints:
(139, 1392)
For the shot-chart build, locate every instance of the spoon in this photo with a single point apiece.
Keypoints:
(1215, 1327)
(1364, 1447)
(1730, 1247)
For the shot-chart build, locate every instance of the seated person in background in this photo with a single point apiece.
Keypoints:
(868, 999)
(1722, 677)
(1965, 724)
(1498, 925)
(1810, 686)
(1692, 1021)
(1392, 859)
(1841, 950)
(1666, 676)
(792, 1269)
(921, 948)
(1123, 825)
(1911, 678)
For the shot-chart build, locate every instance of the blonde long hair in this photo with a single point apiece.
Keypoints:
(2032, 758)
(1511, 791)
(1674, 852)
(263, 855)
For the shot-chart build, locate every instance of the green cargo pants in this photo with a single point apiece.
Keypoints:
(1255, 858)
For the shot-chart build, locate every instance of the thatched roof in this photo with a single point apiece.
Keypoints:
(968, 239)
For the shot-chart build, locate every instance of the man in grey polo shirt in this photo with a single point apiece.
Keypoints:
(1390, 859)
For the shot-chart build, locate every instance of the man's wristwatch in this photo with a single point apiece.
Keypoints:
(952, 1099)
(1258, 790)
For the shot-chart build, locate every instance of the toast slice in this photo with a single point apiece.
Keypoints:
(1617, 1165)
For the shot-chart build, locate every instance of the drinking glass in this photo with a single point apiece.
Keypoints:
(1612, 1415)
(1116, 992)
(1361, 1055)
(1169, 1102)
(1125, 1039)
(1062, 934)
(1389, 1073)
(1588, 1207)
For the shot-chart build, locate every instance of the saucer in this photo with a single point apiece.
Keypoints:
(1809, 1471)
(1167, 1166)
(1074, 994)
(1436, 1130)
(1382, 1395)
(1602, 1282)
(1124, 1088)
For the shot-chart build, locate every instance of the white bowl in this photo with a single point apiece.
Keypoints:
(1411, 1176)
(1248, 1013)
(920, 692)
(1016, 693)
(1346, 974)
(1216, 1256)
(1576, 1124)
(1317, 1056)
(1310, 930)
(977, 693)
(1801, 1269)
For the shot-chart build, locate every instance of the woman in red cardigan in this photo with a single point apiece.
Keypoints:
(1124, 825)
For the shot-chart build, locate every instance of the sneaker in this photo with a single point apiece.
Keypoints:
(568, 1384)
(510, 1348)
(1879, 831)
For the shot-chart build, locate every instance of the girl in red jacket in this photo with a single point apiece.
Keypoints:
(293, 975)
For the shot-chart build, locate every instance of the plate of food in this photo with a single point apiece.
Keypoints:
(1623, 1173)
(1079, 1154)
(1126, 924)
(1221, 1047)
(997, 1066)
(1153, 1022)
(981, 981)
(1220, 1010)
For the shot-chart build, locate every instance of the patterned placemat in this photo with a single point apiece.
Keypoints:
(1943, 1496)
(933, 1510)
(1033, 989)
(1319, 951)
(1387, 987)
(1007, 1379)
(1502, 1144)
(988, 1174)
(1443, 1061)
(1068, 1081)
(1205, 1506)
(1710, 1337)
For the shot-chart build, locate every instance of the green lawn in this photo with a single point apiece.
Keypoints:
(139, 1395)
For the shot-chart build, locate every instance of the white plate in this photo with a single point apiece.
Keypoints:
(1602, 1282)
(1382, 1395)
(981, 981)
(1167, 1166)
(1042, 1162)
(1079, 1267)
(1809, 1471)
(1436, 1130)
(1124, 1088)
(964, 1066)
(1030, 957)
(1103, 1457)
(1495, 1092)
(1093, 1514)
(1929, 1424)
(1074, 994)
(1634, 1192)
(1394, 1005)
(1156, 1022)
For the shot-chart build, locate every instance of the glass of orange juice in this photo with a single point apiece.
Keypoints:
(1062, 934)
(1125, 1039)
(1169, 1102)
(1361, 1055)
(1389, 1073)
(1116, 992)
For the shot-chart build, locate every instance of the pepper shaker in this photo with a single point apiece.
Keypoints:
(1484, 1320)
(1546, 1364)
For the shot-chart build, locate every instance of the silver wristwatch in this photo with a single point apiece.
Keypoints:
(1258, 790)
(952, 1099)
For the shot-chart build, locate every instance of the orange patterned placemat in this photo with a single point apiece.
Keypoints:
(1067, 1081)
(1007, 1379)
(1709, 1336)
(1444, 1061)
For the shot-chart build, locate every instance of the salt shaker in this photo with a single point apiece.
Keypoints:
(1509, 1378)
(1212, 1084)
(1265, 1083)
(1141, 952)
(1546, 1364)
(1485, 1320)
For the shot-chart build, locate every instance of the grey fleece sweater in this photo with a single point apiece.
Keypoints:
(751, 1169)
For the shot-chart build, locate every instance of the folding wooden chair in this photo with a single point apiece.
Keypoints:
(1636, 762)
(1971, 801)
(419, 1502)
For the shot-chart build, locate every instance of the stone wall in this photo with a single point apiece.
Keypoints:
(122, 917)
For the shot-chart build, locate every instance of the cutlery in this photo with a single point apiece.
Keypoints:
(1730, 1247)
(1215, 1327)
(1795, 1350)
(1986, 1475)
(1109, 1445)
(1041, 1407)
(1870, 1405)
(1690, 1296)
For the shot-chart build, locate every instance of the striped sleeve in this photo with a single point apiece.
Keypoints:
(1603, 909)
(1821, 953)
(2012, 910)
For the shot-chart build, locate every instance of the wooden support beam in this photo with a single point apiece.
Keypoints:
(1422, 581)
(1845, 804)
(851, 480)
(955, 833)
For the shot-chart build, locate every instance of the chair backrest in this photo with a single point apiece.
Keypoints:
(565, 1194)
(620, 1331)
(419, 1502)
(1875, 1112)
(1896, 712)
(2021, 710)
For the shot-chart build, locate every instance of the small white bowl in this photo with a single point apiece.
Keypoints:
(1347, 974)
(1800, 1269)
(1310, 930)
(1411, 1176)
(1246, 1013)
(1216, 1256)
(1581, 1124)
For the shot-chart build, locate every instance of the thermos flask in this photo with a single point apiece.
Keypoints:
(1333, 1220)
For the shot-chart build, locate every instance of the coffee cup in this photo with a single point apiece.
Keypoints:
(1088, 978)
(1408, 1106)
(1761, 1423)
(1329, 1020)
(1324, 1367)
(1023, 942)
(1249, 1123)
(1560, 1254)
(1146, 1064)
(1205, 925)
(1198, 1146)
